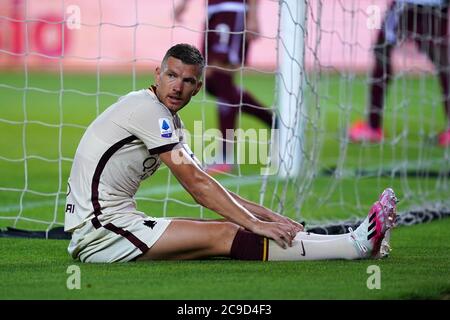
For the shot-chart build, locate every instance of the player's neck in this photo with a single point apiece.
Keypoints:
(153, 89)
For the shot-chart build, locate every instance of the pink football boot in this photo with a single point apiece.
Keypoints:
(444, 138)
(362, 132)
(372, 236)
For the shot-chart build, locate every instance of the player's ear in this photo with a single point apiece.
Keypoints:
(158, 75)
(199, 86)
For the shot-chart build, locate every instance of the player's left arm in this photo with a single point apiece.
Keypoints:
(261, 212)
(264, 213)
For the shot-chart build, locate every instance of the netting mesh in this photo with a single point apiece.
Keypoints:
(343, 178)
(116, 46)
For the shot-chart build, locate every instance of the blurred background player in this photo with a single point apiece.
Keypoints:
(232, 25)
(425, 22)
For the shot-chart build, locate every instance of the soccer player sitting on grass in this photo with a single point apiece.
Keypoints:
(127, 143)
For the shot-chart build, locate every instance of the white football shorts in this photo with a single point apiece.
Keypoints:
(123, 237)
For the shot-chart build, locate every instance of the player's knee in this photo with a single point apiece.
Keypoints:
(227, 112)
(231, 229)
(212, 84)
(226, 231)
(220, 84)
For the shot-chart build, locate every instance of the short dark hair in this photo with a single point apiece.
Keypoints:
(187, 53)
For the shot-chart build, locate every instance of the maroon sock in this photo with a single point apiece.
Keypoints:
(249, 246)
(220, 84)
(230, 100)
(433, 40)
(227, 120)
(439, 57)
(380, 80)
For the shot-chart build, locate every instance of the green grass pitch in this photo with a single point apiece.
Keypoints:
(419, 266)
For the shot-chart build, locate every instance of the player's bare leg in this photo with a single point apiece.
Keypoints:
(186, 239)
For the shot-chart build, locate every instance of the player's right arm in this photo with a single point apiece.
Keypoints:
(210, 194)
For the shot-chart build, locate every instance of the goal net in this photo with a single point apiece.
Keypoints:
(64, 63)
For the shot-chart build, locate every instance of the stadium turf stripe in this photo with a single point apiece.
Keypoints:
(144, 192)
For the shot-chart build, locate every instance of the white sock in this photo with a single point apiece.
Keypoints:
(342, 247)
(316, 236)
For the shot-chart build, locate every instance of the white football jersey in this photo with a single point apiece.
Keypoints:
(119, 150)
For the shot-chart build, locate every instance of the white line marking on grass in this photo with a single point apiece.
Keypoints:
(30, 205)
(231, 182)
(158, 190)
(175, 188)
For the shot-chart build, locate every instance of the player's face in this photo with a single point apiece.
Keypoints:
(177, 83)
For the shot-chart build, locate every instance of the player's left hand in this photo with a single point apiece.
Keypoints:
(297, 226)
(276, 217)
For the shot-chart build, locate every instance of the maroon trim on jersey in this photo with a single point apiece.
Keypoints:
(128, 235)
(94, 196)
(213, 2)
(98, 172)
(96, 222)
(164, 148)
(152, 88)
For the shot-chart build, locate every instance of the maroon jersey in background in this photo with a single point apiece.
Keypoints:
(224, 40)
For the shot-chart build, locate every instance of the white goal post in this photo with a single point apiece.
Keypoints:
(290, 82)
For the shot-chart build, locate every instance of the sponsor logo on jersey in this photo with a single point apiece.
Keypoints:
(164, 127)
